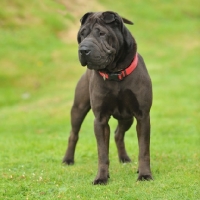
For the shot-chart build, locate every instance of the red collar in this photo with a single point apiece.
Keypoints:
(119, 76)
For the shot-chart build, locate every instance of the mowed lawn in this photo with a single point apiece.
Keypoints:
(39, 69)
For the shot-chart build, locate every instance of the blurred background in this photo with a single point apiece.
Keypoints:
(38, 50)
(39, 69)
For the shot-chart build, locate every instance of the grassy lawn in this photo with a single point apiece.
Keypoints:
(39, 69)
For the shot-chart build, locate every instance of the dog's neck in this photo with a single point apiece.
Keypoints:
(120, 75)
(121, 65)
(124, 58)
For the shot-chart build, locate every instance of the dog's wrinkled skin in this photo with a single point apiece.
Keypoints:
(106, 44)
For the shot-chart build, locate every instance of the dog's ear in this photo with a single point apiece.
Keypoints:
(83, 19)
(108, 17)
(126, 21)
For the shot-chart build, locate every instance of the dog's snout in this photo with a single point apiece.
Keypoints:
(85, 51)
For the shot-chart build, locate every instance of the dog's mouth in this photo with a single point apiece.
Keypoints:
(95, 67)
(95, 55)
(95, 59)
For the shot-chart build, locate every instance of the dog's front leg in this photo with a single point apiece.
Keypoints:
(143, 133)
(102, 133)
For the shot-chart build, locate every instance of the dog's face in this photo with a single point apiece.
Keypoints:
(102, 38)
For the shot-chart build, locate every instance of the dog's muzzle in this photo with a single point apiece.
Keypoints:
(84, 51)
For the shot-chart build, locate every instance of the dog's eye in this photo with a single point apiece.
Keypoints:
(101, 34)
(82, 33)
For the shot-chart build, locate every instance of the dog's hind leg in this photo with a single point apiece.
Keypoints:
(123, 126)
(80, 108)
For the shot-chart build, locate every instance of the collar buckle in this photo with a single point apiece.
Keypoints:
(113, 77)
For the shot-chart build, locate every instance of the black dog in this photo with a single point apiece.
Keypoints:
(116, 84)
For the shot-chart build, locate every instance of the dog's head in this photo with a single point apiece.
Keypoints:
(104, 41)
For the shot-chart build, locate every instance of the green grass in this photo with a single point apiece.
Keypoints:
(38, 73)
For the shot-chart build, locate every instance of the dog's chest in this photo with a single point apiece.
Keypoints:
(121, 105)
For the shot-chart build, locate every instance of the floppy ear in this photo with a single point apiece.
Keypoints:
(108, 17)
(83, 19)
(126, 21)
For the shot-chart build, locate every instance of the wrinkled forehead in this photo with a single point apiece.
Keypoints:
(95, 18)
(95, 15)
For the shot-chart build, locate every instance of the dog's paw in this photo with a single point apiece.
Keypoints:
(143, 177)
(68, 161)
(100, 181)
(124, 159)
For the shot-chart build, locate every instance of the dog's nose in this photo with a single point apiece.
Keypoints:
(84, 51)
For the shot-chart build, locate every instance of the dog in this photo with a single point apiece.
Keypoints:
(116, 83)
